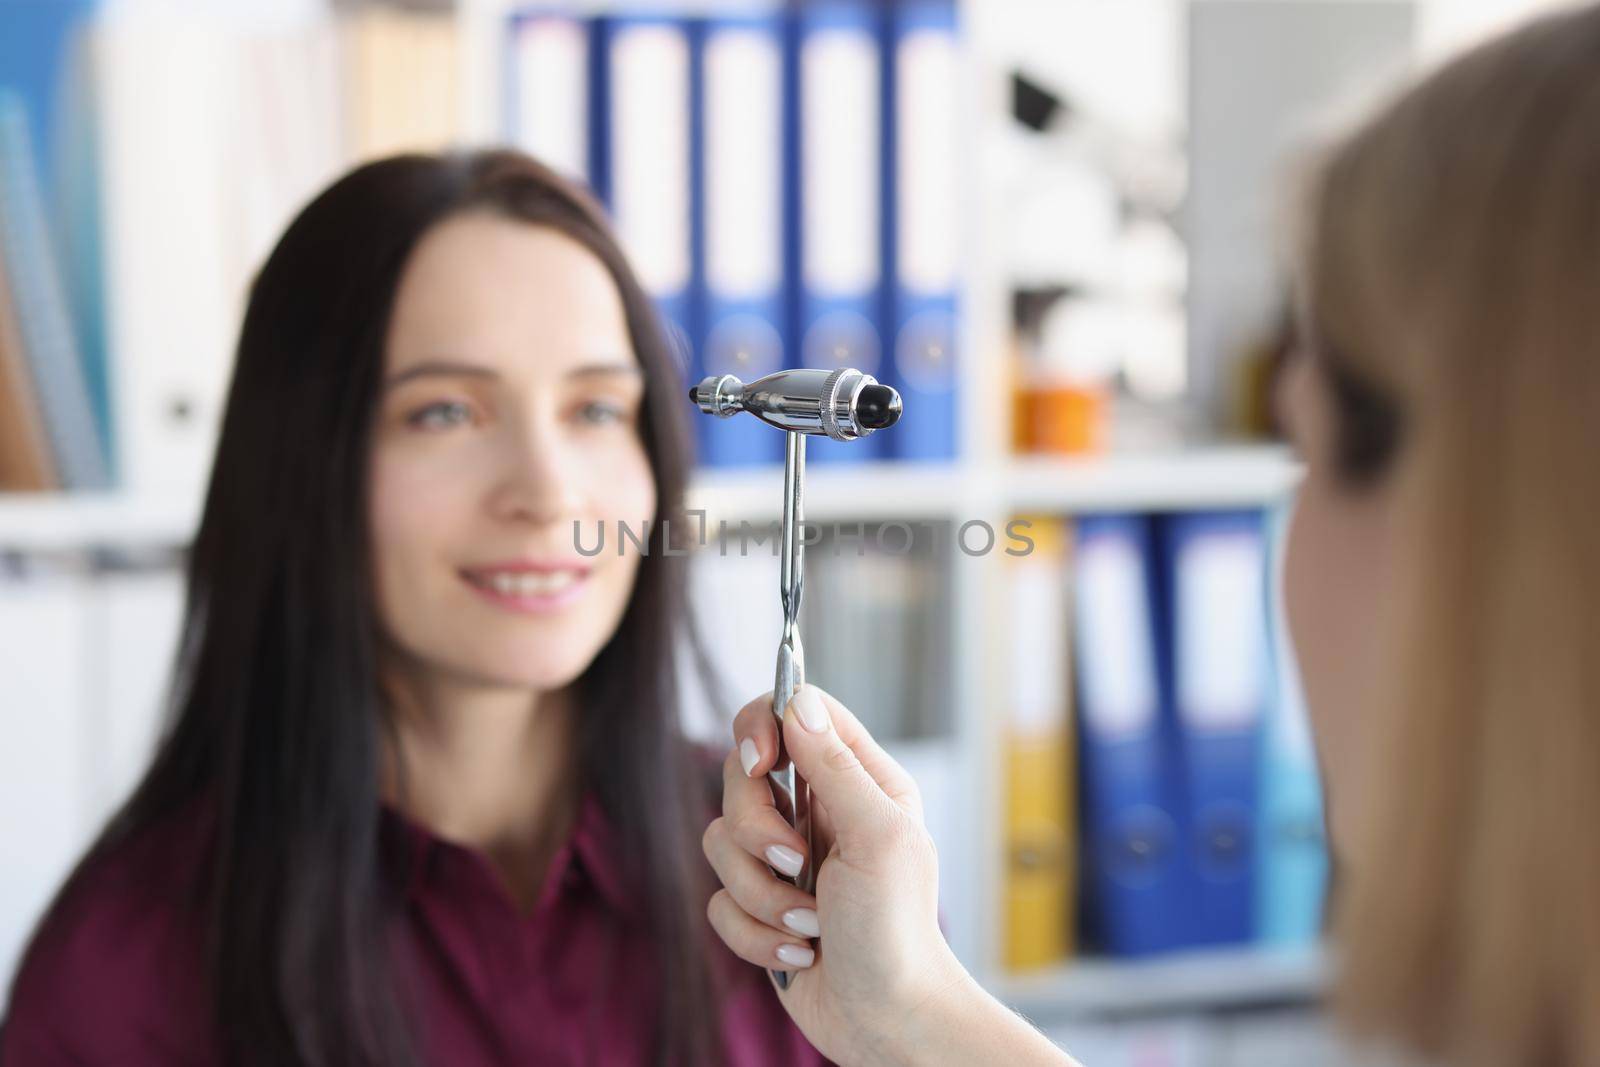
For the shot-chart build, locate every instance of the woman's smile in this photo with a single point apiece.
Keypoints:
(532, 586)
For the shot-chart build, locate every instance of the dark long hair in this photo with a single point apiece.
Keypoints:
(276, 709)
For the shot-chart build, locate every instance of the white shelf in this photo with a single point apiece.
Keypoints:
(1212, 477)
(80, 520)
(1234, 476)
(1198, 981)
(858, 491)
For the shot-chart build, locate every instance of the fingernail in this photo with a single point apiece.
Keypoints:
(796, 955)
(802, 921)
(749, 755)
(807, 705)
(785, 859)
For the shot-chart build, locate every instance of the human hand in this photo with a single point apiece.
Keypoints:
(879, 958)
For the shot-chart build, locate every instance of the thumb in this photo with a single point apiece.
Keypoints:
(857, 806)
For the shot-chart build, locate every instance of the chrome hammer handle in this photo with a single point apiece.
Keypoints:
(790, 794)
(843, 404)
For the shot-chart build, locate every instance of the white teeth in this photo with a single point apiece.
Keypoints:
(529, 583)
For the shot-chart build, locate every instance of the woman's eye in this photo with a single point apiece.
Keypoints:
(600, 412)
(440, 416)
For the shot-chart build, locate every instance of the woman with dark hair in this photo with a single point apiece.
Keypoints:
(423, 797)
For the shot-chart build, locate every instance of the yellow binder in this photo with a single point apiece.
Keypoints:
(1040, 878)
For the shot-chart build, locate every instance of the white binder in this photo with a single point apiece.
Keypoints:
(549, 105)
(213, 137)
(649, 152)
(46, 762)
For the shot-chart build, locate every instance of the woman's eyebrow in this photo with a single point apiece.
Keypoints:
(453, 369)
(591, 370)
(441, 368)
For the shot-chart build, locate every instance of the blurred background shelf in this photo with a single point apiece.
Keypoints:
(1207, 477)
(1223, 979)
(88, 520)
(1212, 477)
(1222, 476)
(886, 490)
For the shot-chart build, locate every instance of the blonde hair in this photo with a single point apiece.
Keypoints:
(1451, 270)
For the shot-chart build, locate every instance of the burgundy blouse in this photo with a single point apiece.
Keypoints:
(116, 976)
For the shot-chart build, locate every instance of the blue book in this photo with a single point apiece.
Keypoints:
(1292, 857)
(835, 125)
(1215, 571)
(43, 316)
(45, 58)
(643, 156)
(1134, 891)
(921, 228)
(742, 172)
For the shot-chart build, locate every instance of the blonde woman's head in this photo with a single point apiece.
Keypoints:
(1444, 566)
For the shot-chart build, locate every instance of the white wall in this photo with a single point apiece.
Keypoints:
(1263, 76)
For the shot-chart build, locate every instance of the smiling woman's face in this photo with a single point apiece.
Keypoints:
(509, 411)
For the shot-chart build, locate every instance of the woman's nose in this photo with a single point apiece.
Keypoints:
(540, 482)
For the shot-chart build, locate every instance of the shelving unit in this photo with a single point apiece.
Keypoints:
(1216, 477)
(991, 492)
(1213, 477)
(1211, 980)
(86, 520)
(987, 484)
(995, 491)
(832, 493)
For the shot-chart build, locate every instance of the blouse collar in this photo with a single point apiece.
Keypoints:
(592, 853)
